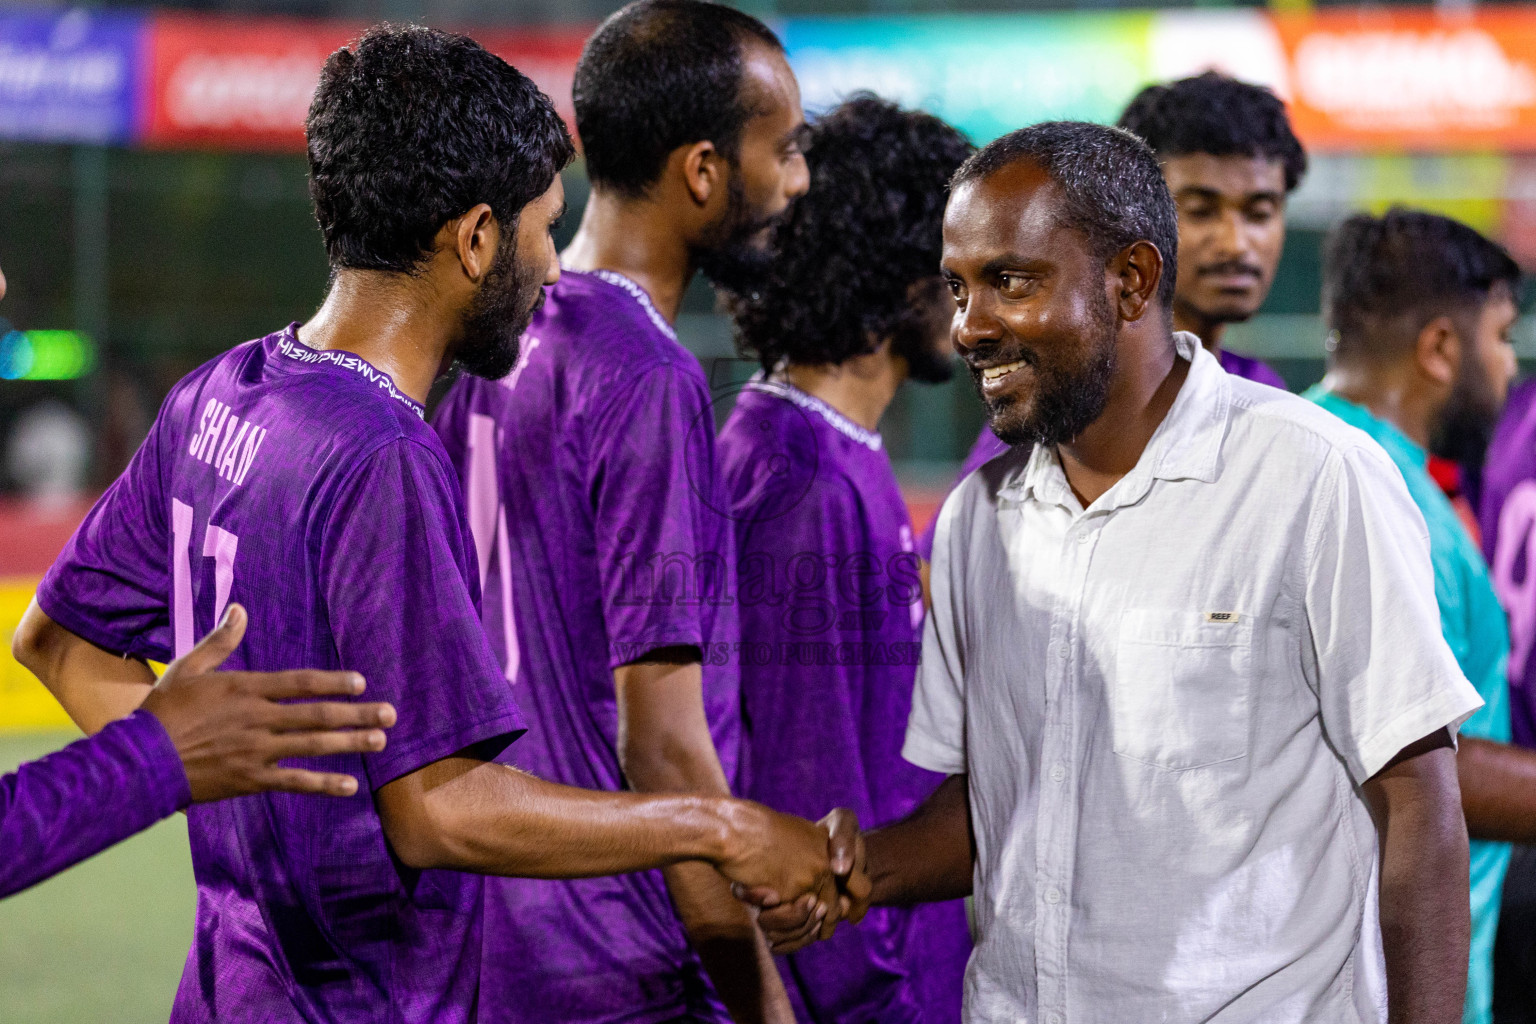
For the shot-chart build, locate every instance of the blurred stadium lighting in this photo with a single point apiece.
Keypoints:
(46, 355)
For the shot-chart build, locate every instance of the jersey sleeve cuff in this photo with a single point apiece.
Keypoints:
(58, 608)
(168, 789)
(490, 736)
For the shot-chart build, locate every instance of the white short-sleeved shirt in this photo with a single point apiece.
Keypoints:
(1166, 705)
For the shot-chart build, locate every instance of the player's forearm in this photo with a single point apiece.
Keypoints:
(732, 950)
(665, 747)
(93, 686)
(1425, 921)
(1498, 790)
(929, 855)
(488, 818)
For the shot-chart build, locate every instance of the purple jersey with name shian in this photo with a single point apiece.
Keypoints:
(591, 470)
(1507, 515)
(831, 605)
(988, 446)
(305, 486)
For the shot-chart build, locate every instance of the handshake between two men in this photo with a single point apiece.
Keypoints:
(804, 887)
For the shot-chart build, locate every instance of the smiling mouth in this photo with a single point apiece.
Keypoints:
(994, 375)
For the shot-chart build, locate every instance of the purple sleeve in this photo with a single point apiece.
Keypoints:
(109, 584)
(662, 550)
(400, 595)
(986, 448)
(59, 810)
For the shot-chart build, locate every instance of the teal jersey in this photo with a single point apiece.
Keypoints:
(1474, 627)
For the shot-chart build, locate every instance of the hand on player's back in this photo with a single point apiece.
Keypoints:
(805, 911)
(230, 730)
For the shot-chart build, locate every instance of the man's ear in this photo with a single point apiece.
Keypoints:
(476, 238)
(703, 168)
(1437, 351)
(1136, 271)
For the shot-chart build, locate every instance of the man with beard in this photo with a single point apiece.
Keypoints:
(1230, 159)
(599, 517)
(829, 586)
(1182, 666)
(295, 472)
(1420, 308)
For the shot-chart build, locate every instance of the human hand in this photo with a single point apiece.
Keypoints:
(790, 926)
(230, 731)
(780, 861)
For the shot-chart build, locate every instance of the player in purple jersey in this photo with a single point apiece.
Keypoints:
(1230, 159)
(829, 581)
(1507, 516)
(296, 473)
(200, 735)
(598, 516)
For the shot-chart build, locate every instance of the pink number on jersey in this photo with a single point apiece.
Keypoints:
(181, 576)
(488, 525)
(1518, 596)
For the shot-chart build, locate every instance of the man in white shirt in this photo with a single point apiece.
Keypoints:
(1184, 666)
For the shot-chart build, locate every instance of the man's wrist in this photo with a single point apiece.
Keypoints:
(716, 835)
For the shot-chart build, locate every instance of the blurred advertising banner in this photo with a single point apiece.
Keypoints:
(985, 74)
(246, 83)
(235, 83)
(1357, 79)
(69, 76)
(1373, 79)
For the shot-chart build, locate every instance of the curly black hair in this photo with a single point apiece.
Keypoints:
(660, 74)
(869, 228)
(1401, 270)
(411, 127)
(1215, 114)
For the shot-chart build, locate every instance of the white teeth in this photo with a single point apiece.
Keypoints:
(997, 373)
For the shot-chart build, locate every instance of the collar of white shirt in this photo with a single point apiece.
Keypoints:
(1186, 445)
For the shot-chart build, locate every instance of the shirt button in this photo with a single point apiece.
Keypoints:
(1063, 652)
(1054, 1018)
(1058, 773)
(1084, 538)
(1053, 895)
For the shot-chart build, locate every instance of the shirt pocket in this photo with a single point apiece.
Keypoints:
(1179, 696)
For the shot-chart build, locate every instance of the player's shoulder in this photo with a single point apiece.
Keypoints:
(607, 320)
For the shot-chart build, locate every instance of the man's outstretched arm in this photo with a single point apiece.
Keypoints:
(927, 857)
(200, 735)
(1498, 790)
(664, 746)
(465, 814)
(1425, 917)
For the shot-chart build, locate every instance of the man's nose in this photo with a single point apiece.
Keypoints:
(975, 325)
(1231, 239)
(799, 178)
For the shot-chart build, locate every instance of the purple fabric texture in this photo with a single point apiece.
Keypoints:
(1250, 368)
(831, 610)
(1507, 515)
(988, 447)
(74, 803)
(597, 510)
(304, 485)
